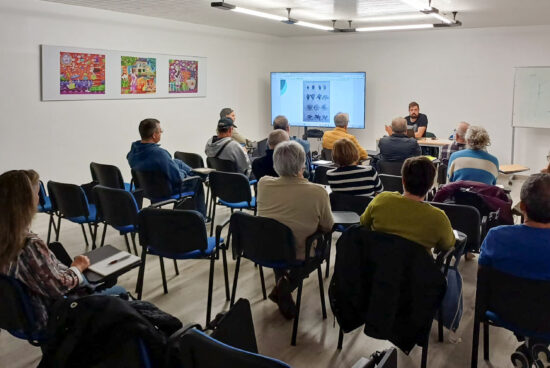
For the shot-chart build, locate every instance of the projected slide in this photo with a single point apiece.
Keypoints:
(312, 99)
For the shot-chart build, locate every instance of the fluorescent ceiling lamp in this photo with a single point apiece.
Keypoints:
(394, 28)
(418, 4)
(442, 18)
(278, 18)
(313, 25)
(389, 18)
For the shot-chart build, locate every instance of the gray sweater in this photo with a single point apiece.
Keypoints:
(233, 151)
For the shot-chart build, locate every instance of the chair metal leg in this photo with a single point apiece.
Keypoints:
(93, 232)
(298, 302)
(134, 243)
(176, 267)
(50, 223)
(440, 323)
(262, 282)
(127, 243)
(235, 278)
(424, 361)
(340, 339)
(84, 232)
(213, 216)
(322, 292)
(141, 274)
(58, 228)
(103, 236)
(163, 275)
(225, 275)
(486, 340)
(208, 212)
(210, 287)
(329, 245)
(475, 342)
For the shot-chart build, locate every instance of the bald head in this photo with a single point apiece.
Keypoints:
(461, 129)
(399, 125)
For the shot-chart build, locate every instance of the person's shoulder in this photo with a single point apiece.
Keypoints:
(267, 179)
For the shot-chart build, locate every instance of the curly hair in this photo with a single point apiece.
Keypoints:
(477, 138)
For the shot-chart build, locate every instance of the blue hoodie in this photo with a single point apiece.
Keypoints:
(150, 157)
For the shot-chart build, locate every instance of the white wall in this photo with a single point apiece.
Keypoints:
(454, 74)
(59, 139)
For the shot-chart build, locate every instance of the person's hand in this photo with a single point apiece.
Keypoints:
(388, 129)
(81, 262)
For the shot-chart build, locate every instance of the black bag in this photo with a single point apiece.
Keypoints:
(160, 319)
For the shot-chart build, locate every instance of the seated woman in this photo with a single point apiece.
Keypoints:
(23, 255)
(295, 202)
(474, 163)
(407, 215)
(349, 177)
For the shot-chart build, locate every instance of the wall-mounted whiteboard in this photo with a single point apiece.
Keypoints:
(532, 97)
(71, 73)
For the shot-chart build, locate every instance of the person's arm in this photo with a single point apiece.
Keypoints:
(238, 137)
(487, 249)
(362, 152)
(388, 129)
(420, 132)
(422, 126)
(366, 217)
(378, 187)
(447, 240)
(241, 158)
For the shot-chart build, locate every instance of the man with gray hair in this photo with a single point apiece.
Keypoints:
(281, 123)
(302, 206)
(263, 166)
(458, 144)
(340, 131)
(398, 147)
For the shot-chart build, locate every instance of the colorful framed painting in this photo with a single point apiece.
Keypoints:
(71, 73)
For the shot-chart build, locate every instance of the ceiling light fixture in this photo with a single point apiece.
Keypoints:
(313, 25)
(394, 28)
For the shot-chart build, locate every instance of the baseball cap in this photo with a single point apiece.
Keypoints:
(225, 123)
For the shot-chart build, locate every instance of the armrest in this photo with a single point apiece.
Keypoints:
(162, 203)
(176, 335)
(444, 258)
(219, 229)
(319, 238)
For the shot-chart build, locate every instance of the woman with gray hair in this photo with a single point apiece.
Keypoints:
(474, 163)
(295, 202)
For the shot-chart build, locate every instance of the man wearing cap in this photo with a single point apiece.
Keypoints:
(223, 147)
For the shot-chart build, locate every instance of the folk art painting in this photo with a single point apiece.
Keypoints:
(183, 76)
(81, 73)
(138, 75)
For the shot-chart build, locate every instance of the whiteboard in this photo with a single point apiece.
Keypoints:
(531, 97)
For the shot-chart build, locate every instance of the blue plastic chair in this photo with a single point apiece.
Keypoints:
(157, 188)
(70, 202)
(45, 206)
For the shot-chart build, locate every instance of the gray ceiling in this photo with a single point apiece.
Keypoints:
(472, 13)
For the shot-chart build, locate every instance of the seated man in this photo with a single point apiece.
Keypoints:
(398, 147)
(223, 147)
(146, 155)
(228, 112)
(474, 163)
(281, 122)
(407, 215)
(302, 206)
(341, 121)
(523, 250)
(459, 142)
(263, 166)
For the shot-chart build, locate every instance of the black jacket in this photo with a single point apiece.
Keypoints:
(398, 147)
(263, 166)
(389, 284)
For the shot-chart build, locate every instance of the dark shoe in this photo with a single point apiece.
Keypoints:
(274, 295)
(285, 302)
(521, 357)
(540, 354)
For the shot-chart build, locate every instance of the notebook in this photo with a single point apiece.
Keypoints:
(113, 263)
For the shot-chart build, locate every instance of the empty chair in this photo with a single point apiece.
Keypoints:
(178, 234)
(193, 160)
(16, 312)
(260, 148)
(71, 203)
(514, 303)
(45, 206)
(219, 164)
(441, 174)
(231, 190)
(119, 209)
(392, 183)
(108, 176)
(346, 202)
(465, 219)
(320, 175)
(271, 244)
(326, 154)
(390, 167)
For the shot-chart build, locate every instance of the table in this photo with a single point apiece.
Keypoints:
(512, 169)
(99, 254)
(345, 217)
(434, 142)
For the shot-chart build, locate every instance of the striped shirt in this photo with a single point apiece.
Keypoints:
(474, 165)
(355, 180)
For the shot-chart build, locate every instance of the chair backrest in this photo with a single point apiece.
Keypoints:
(326, 154)
(465, 219)
(518, 301)
(260, 149)
(320, 175)
(107, 175)
(172, 232)
(392, 183)
(195, 349)
(117, 207)
(442, 174)
(390, 167)
(219, 164)
(69, 199)
(42, 198)
(16, 313)
(429, 135)
(263, 240)
(155, 184)
(347, 202)
(194, 160)
(230, 187)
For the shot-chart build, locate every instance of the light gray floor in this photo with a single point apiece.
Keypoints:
(317, 338)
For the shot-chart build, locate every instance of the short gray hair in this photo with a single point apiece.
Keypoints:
(462, 128)
(399, 125)
(477, 138)
(280, 122)
(289, 158)
(341, 119)
(276, 137)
